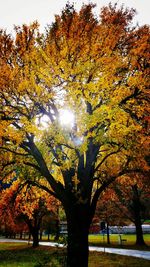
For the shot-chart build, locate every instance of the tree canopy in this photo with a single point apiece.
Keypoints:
(98, 69)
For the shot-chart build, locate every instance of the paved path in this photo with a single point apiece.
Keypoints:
(120, 251)
(126, 252)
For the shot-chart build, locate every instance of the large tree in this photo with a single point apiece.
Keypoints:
(98, 70)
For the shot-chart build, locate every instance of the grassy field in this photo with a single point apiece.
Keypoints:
(22, 255)
(98, 239)
(114, 239)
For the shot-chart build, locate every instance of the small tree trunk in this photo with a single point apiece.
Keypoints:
(108, 236)
(41, 233)
(35, 236)
(139, 233)
(137, 216)
(20, 235)
(57, 230)
(48, 237)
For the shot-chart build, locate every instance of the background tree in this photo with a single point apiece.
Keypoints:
(28, 205)
(97, 69)
(134, 197)
(108, 213)
(11, 224)
(127, 200)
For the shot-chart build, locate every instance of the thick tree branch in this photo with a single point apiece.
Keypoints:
(14, 152)
(33, 183)
(56, 186)
(136, 93)
(108, 155)
(32, 165)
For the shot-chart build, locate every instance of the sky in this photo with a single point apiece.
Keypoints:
(18, 12)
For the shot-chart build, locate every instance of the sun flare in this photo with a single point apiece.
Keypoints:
(66, 117)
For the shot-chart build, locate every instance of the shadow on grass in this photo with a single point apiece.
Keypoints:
(12, 255)
(113, 260)
(25, 257)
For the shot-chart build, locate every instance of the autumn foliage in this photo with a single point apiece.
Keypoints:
(99, 70)
(22, 209)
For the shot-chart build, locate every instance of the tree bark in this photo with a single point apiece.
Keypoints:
(34, 231)
(137, 216)
(78, 230)
(77, 250)
(41, 234)
(108, 237)
(20, 235)
(35, 236)
(139, 233)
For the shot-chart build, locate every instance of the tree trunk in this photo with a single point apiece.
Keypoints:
(77, 250)
(108, 237)
(137, 216)
(48, 237)
(34, 228)
(78, 230)
(35, 236)
(41, 234)
(57, 230)
(20, 235)
(139, 233)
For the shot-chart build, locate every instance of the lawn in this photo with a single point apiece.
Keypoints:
(101, 240)
(22, 255)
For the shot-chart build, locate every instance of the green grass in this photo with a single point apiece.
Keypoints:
(114, 240)
(97, 239)
(22, 255)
